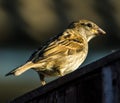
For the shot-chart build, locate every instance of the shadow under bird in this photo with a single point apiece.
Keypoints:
(64, 53)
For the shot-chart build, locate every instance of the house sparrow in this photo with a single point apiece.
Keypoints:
(62, 54)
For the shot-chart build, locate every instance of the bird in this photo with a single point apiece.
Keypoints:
(63, 53)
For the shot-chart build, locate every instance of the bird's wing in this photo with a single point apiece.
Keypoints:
(37, 54)
(63, 48)
(60, 46)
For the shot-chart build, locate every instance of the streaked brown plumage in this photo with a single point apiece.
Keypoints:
(62, 54)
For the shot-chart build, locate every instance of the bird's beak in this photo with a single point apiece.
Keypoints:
(100, 31)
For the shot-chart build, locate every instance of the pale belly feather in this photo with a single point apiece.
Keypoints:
(66, 64)
(73, 62)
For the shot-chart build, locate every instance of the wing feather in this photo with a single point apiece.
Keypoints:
(61, 46)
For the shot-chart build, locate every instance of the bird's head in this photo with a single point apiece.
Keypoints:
(87, 29)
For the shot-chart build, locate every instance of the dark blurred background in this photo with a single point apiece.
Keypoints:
(25, 24)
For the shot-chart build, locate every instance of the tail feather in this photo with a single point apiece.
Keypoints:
(21, 69)
(10, 73)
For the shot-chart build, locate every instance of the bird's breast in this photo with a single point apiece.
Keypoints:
(74, 61)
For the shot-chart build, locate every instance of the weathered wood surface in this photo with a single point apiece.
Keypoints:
(98, 82)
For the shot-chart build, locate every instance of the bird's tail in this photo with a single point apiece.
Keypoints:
(21, 69)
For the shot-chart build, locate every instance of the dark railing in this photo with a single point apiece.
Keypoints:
(98, 82)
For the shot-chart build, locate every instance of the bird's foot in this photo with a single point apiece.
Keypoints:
(43, 83)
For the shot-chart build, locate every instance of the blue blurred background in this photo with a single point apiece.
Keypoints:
(25, 24)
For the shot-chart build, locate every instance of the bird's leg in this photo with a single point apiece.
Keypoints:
(42, 78)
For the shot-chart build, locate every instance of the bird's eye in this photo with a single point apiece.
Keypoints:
(89, 25)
